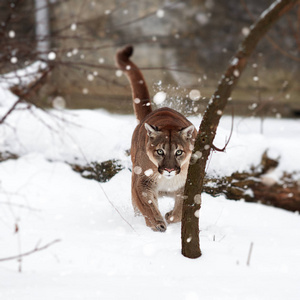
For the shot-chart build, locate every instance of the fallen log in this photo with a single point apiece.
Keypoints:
(258, 186)
(101, 172)
(255, 185)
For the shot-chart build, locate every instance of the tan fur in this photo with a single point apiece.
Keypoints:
(161, 146)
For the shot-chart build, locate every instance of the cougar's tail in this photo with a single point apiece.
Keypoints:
(140, 93)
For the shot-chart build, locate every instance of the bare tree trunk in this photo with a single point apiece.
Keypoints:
(42, 27)
(209, 124)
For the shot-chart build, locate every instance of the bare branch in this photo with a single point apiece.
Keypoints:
(270, 40)
(230, 135)
(249, 254)
(23, 94)
(36, 249)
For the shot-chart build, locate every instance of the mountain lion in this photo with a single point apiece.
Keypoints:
(161, 148)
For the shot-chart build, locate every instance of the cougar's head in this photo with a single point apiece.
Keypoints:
(170, 149)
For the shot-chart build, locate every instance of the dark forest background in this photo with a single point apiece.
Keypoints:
(180, 45)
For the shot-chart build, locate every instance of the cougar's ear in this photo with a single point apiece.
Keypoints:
(152, 131)
(187, 132)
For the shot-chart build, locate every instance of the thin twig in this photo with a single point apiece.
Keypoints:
(36, 249)
(19, 205)
(24, 94)
(119, 213)
(230, 135)
(249, 254)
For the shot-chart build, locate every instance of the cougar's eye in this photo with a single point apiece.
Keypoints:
(178, 152)
(160, 152)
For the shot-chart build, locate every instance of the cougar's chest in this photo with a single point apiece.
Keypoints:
(171, 185)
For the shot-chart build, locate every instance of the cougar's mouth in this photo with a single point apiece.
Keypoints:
(168, 173)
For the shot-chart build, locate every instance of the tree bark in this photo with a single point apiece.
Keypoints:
(207, 131)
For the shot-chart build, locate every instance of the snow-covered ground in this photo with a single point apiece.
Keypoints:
(104, 252)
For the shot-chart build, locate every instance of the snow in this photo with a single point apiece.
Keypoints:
(159, 97)
(105, 252)
(234, 61)
(194, 95)
(245, 31)
(73, 26)
(160, 13)
(14, 60)
(51, 55)
(119, 73)
(148, 172)
(12, 34)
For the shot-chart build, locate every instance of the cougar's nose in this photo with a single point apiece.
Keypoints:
(169, 170)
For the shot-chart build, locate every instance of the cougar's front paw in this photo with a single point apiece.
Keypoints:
(160, 226)
(171, 218)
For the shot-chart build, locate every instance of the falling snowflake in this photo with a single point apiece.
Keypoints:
(14, 60)
(236, 73)
(119, 73)
(235, 61)
(189, 239)
(73, 27)
(90, 77)
(197, 199)
(11, 34)
(245, 31)
(59, 102)
(137, 170)
(51, 55)
(159, 97)
(160, 13)
(195, 95)
(197, 155)
(148, 172)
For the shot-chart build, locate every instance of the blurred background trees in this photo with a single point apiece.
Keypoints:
(181, 45)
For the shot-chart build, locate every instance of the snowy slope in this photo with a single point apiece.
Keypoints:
(104, 251)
